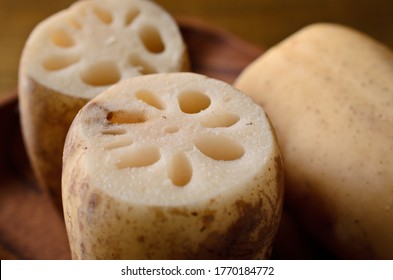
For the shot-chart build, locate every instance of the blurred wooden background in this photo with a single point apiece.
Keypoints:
(262, 22)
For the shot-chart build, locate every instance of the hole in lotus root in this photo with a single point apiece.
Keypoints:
(103, 15)
(139, 157)
(192, 102)
(101, 74)
(150, 98)
(114, 132)
(125, 117)
(151, 39)
(220, 120)
(131, 15)
(143, 67)
(120, 143)
(171, 129)
(73, 22)
(62, 38)
(180, 170)
(58, 62)
(219, 147)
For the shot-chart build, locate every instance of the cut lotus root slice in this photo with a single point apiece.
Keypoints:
(171, 166)
(77, 53)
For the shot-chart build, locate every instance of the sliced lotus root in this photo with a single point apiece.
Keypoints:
(171, 166)
(77, 53)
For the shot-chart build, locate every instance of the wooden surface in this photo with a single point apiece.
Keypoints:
(30, 227)
(262, 22)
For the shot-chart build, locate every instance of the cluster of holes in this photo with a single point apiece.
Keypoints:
(107, 72)
(216, 147)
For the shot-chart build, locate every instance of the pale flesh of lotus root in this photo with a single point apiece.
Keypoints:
(171, 166)
(77, 53)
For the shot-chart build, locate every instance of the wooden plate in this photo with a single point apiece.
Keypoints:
(30, 227)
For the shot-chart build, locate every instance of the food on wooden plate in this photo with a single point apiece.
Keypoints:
(74, 55)
(328, 90)
(171, 166)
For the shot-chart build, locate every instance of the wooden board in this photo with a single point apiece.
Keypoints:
(30, 227)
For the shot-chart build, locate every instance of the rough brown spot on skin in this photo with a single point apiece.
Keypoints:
(77, 183)
(141, 239)
(278, 163)
(280, 177)
(279, 170)
(179, 212)
(83, 190)
(94, 201)
(116, 256)
(208, 218)
(70, 148)
(108, 206)
(238, 241)
(251, 217)
(72, 187)
(160, 215)
(97, 118)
